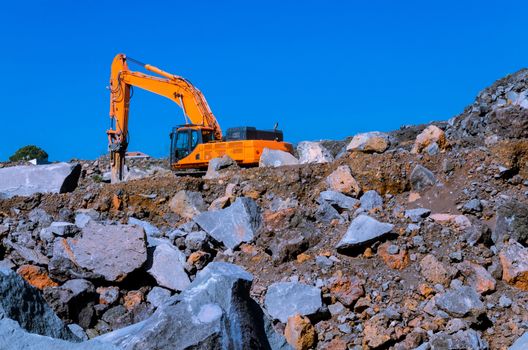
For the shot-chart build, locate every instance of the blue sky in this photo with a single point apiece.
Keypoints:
(323, 69)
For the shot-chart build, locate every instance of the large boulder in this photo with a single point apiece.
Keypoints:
(168, 267)
(24, 304)
(187, 204)
(214, 312)
(276, 158)
(27, 180)
(103, 251)
(286, 299)
(514, 261)
(521, 343)
(313, 152)
(373, 141)
(234, 225)
(362, 231)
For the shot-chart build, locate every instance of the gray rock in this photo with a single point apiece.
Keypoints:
(512, 222)
(362, 231)
(187, 204)
(217, 164)
(370, 200)
(78, 331)
(27, 180)
(214, 312)
(234, 225)
(472, 206)
(461, 301)
(463, 339)
(504, 301)
(286, 245)
(157, 296)
(337, 199)
(58, 228)
(196, 240)
(326, 213)
(422, 178)
(150, 229)
(70, 301)
(26, 255)
(276, 158)
(521, 343)
(24, 304)
(418, 214)
(108, 251)
(11, 333)
(313, 152)
(168, 268)
(323, 262)
(84, 216)
(478, 232)
(433, 149)
(40, 217)
(285, 299)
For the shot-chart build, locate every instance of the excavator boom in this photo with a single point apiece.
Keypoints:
(194, 144)
(173, 87)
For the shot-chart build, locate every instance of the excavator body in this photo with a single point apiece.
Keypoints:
(194, 144)
(192, 148)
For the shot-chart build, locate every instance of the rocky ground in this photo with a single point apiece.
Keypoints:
(414, 239)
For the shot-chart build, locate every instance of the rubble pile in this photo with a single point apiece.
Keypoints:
(413, 239)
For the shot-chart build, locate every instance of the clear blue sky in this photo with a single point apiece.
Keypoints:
(323, 69)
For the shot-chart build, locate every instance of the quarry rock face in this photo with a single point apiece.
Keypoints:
(418, 246)
(27, 180)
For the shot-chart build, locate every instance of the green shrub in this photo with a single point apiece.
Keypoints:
(29, 152)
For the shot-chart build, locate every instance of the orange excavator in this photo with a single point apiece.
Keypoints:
(194, 143)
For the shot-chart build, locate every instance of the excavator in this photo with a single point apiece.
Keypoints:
(194, 143)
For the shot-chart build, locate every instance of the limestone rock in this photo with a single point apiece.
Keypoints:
(187, 204)
(373, 141)
(300, 333)
(27, 180)
(514, 260)
(217, 164)
(234, 225)
(434, 271)
(341, 180)
(313, 152)
(108, 251)
(286, 299)
(168, 268)
(362, 231)
(422, 178)
(429, 136)
(276, 158)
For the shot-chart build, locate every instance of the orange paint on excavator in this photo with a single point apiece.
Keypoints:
(193, 144)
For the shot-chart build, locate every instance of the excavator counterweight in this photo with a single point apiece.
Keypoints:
(193, 144)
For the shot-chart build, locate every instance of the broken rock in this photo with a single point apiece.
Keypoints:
(362, 231)
(234, 225)
(373, 141)
(341, 180)
(422, 178)
(300, 333)
(168, 268)
(514, 260)
(108, 251)
(286, 299)
(36, 276)
(27, 180)
(434, 271)
(187, 204)
(461, 301)
(276, 158)
(313, 152)
(217, 164)
(431, 135)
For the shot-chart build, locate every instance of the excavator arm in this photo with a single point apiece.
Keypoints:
(173, 87)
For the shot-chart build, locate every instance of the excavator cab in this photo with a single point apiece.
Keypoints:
(185, 138)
